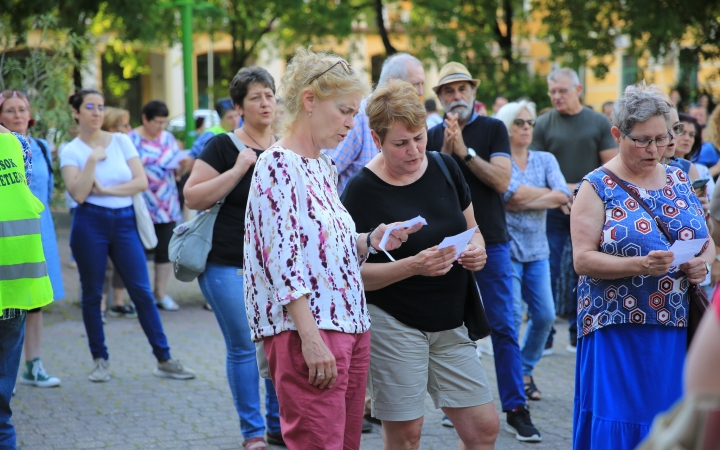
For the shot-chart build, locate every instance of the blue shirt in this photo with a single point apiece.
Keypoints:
(630, 231)
(707, 156)
(528, 241)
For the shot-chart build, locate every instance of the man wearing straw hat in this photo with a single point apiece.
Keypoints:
(481, 147)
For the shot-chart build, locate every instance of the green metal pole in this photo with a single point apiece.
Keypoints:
(186, 10)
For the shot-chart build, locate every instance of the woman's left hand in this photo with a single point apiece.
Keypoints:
(98, 189)
(473, 258)
(397, 237)
(695, 270)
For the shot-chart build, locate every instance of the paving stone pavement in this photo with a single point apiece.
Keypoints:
(136, 410)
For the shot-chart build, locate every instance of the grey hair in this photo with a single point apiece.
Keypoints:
(564, 72)
(510, 111)
(395, 67)
(637, 105)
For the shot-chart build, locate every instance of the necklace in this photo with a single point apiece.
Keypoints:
(253, 139)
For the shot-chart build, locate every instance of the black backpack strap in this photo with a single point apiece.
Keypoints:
(439, 159)
(46, 154)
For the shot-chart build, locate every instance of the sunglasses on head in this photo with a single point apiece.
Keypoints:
(342, 63)
(522, 122)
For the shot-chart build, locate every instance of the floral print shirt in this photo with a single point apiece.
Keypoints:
(300, 240)
(27, 155)
(161, 196)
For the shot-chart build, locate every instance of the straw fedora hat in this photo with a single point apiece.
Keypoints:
(454, 71)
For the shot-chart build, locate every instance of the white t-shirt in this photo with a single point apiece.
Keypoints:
(111, 171)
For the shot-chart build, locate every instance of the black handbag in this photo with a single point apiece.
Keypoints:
(697, 298)
(474, 316)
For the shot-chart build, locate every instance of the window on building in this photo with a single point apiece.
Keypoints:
(377, 62)
(629, 71)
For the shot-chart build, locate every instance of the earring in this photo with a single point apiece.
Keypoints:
(310, 114)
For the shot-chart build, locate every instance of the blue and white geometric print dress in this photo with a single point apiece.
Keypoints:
(632, 331)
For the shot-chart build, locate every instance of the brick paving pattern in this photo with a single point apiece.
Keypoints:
(136, 410)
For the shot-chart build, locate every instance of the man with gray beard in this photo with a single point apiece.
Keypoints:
(481, 147)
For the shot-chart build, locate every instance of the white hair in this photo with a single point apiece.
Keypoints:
(396, 67)
(510, 111)
(564, 72)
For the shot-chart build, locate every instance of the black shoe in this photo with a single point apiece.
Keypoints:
(367, 427)
(518, 422)
(126, 311)
(275, 439)
(371, 419)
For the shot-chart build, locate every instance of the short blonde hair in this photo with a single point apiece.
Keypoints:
(114, 117)
(305, 66)
(713, 128)
(395, 101)
(509, 112)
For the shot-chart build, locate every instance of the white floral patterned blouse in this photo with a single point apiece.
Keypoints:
(300, 240)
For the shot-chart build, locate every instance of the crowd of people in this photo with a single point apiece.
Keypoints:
(351, 317)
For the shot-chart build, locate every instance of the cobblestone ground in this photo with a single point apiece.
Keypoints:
(136, 410)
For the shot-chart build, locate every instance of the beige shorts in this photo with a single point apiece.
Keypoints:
(405, 363)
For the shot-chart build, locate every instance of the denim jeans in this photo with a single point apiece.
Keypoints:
(531, 283)
(12, 332)
(96, 233)
(495, 283)
(222, 287)
(558, 233)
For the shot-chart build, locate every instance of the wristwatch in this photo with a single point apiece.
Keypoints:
(370, 247)
(471, 154)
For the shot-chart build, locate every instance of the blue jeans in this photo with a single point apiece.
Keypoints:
(495, 283)
(222, 287)
(96, 233)
(558, 233)
(12, 332)
(531, 283)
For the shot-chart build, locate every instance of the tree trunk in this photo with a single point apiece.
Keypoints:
(77, 70)
(389, 49)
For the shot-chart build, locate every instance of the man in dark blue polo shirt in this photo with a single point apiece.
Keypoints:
(481, 147)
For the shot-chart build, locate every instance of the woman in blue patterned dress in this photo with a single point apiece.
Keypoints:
(15, 115)
(536, 185)
(632, 300)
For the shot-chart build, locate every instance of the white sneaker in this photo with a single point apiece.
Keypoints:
(101, 372)
(548, 352)
(35, 375)
(168, 304)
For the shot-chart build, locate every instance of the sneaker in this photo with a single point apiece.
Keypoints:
(255, 443)
(101, 372)
(126, 311)
(446, 422)
(371, 419)
(173, 369)
(548, 352)
(572, 346)
(103, 316)
(35, 375)
(518, 422)
(275, 439)
(168, 304)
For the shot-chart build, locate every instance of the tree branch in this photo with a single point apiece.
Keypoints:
(389, 49)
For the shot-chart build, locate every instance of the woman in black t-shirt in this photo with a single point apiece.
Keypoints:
(418, 341)
(220, 169)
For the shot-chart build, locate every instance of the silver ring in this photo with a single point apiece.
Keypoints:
(320, 375)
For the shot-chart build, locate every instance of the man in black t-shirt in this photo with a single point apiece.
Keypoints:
(481, 147)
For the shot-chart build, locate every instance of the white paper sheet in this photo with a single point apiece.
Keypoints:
(406, 224)
(175, 162)
(460, 241)
(684, 251)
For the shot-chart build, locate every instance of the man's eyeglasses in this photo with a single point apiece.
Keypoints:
(521, 122)
(92, 106)
(561, 91)
(645, 143)
(345, 66)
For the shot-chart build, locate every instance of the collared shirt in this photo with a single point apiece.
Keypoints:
(528, 241)
(355, 151)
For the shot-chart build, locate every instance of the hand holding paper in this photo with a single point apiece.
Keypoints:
(460, 241)
(684, 251)
(398, 226)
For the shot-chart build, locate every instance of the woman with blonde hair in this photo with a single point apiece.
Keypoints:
(709, 154)
(417, 294)
(304, 294)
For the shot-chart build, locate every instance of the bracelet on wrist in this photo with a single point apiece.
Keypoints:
(370, 247)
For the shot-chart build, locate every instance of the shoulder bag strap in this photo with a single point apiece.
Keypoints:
(640, 202)
(439, 159)
(240, 147)
(45, 153)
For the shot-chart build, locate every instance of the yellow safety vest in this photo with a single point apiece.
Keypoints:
(24, 281)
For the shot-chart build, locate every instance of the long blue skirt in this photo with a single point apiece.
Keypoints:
(624, 376)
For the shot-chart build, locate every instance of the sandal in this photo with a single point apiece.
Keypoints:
(531, 390)
(256, 443)
(207, 307)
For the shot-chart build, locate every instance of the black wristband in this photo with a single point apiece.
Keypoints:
(370, 247)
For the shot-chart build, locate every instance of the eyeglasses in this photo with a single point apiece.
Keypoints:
(12, 111)
(645, 143)
(345, 66)
(561, 91)
(162, 123)
(678, 129)
(521, 122)
(92, 106)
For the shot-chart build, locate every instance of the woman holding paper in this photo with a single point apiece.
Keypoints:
(416, 294)
(632, 296)
(304, 294)
(158, 150)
